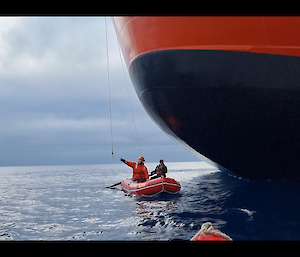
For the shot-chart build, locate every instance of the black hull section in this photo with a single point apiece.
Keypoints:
(241, 110)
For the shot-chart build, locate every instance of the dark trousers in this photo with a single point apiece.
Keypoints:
(140, 180)
(158, 176)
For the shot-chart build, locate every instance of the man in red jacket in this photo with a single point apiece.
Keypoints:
(140, 171)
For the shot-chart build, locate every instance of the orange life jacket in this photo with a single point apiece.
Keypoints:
(139, 171)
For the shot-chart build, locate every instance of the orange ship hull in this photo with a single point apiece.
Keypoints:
(225, 88)
(271, 35)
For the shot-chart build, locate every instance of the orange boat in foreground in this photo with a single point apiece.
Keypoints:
(208, 233)
(151, 187)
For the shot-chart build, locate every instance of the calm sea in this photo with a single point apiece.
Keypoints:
(72, 203)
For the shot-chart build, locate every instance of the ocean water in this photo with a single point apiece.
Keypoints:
(72, 203)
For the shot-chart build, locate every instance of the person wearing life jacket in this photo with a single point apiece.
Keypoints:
(160, 170)
(140, 171)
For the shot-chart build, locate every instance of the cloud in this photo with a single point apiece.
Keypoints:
(54, 96)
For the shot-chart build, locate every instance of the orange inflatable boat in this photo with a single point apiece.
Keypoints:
(208, 233)
(151, 187)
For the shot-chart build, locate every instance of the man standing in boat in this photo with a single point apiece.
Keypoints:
(160, 170)
(140, 171)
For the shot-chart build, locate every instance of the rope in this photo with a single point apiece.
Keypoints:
(109, 96)
(132, 115)
(133, 120)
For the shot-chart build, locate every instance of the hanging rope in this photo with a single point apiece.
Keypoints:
(133, 120)
(109, 97)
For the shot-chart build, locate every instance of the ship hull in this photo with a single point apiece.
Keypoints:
(240, 110)
(225, 88)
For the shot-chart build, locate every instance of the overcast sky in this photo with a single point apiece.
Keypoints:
(54, 97)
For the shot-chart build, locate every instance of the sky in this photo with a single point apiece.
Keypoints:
(54, 104)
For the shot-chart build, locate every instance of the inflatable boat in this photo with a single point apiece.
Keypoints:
(208, 233)
(151, 187)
